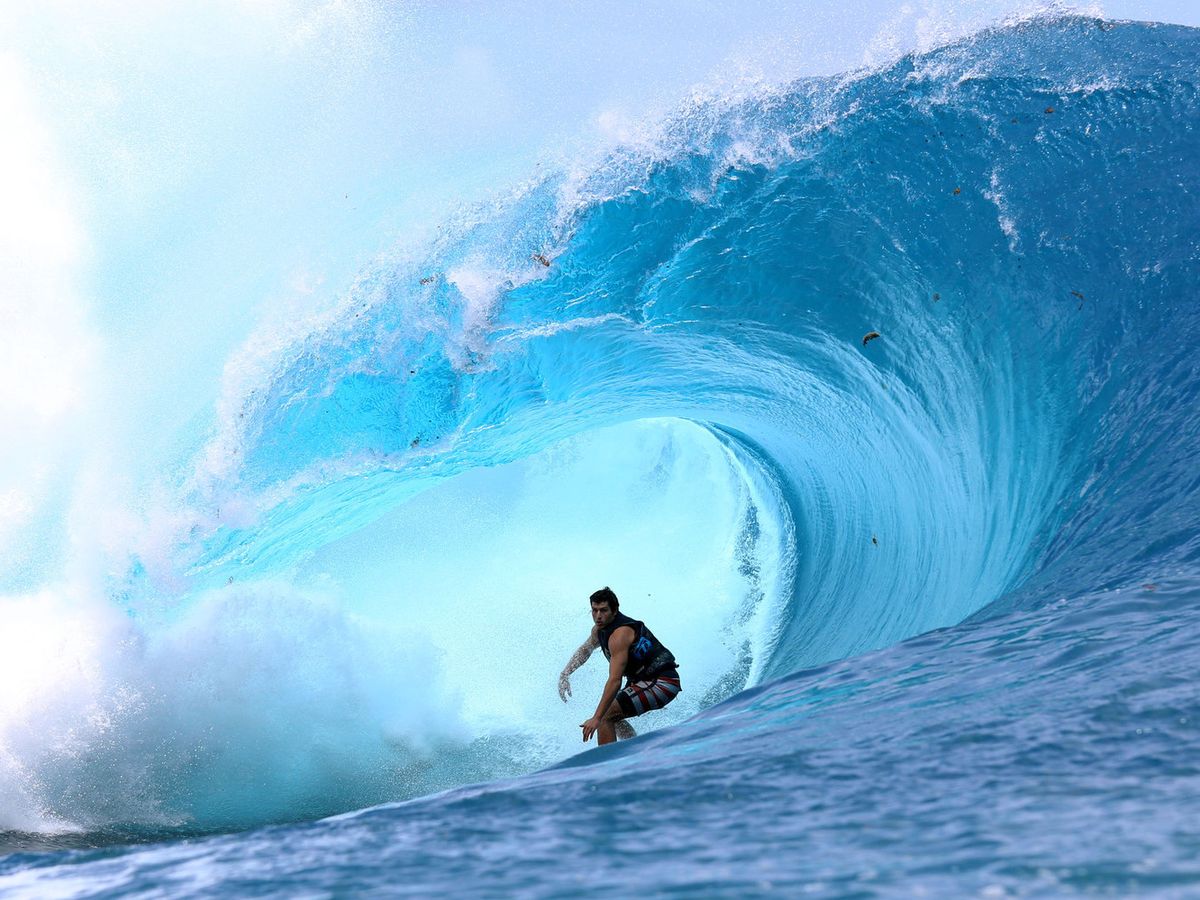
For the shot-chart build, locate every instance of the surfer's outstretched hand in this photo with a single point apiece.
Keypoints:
(589, 728)
(564, 687)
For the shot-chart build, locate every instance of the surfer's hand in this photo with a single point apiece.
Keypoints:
(589, 728)
(564, 687)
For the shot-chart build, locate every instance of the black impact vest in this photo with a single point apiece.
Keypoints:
(648, 658)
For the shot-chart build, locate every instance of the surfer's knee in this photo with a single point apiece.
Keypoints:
(615, 713)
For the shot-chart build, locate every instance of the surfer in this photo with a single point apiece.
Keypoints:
(650, 671)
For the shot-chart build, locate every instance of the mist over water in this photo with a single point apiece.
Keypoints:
(346, 352)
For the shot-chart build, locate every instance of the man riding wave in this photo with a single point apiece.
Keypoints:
(633, 652)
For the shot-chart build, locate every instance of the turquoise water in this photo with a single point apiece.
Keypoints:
(934, 594)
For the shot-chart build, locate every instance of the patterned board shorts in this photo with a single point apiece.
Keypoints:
(638, 697)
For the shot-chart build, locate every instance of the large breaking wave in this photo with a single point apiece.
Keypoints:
(654, 372)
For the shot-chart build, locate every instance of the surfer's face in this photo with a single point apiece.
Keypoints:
(602, 614)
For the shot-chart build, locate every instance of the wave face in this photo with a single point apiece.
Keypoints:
(972, 206)
(670, 352)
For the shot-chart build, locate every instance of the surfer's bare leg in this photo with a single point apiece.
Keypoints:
(613, 726)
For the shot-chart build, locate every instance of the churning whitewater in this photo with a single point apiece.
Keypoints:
(935, 593)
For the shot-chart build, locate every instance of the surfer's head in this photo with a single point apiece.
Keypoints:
(604, 606)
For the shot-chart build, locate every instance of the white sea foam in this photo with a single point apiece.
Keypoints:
(259, 701)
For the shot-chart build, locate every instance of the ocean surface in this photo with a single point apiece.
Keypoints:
(877, 396)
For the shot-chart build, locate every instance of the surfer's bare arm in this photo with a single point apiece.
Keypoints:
(618, 646)
(578, 658)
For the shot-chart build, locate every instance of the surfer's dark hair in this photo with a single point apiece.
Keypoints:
(605, 595)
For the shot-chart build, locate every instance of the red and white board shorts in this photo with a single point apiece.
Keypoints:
(638, 697)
